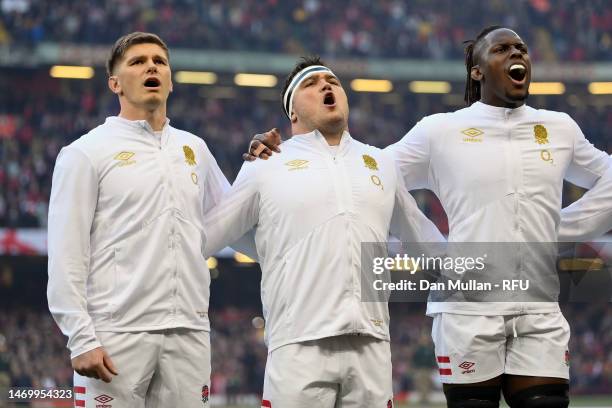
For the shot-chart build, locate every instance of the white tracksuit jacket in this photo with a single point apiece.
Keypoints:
(499, 175)
(312, 208)
(125, 231)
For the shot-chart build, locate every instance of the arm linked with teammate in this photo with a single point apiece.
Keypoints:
(216, 188)
(235, 214)
(408, 222)
(412, 156)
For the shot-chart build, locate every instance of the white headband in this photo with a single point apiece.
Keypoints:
(296, 81)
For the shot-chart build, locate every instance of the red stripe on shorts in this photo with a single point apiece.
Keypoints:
(266, 404)
(79, 390)
(445, 371)
(443, 359)
(79, 403)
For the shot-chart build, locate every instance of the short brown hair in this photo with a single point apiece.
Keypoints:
(125, 42)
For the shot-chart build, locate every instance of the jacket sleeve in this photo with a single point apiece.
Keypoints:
(235, 214)
(215, 188)
(590, 216)
(408, 223)
(588, 163)
(216, 185)
(412, 154)
(74, 195)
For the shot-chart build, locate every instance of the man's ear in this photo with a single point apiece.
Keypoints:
(113, 84)
(475, 73)
(294, 117)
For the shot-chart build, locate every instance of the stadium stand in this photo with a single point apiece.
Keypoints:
(563, 30)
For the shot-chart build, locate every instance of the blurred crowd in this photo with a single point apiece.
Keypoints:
(41, 115)
(33, 353)
(563, 30)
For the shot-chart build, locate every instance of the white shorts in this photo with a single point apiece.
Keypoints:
(168, 368)
(343, 371)
(471, 348)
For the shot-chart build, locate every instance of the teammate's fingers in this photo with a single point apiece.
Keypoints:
(272, 139)
(257, 150)
(277, 140)
(248, 157)
(261, 150)
(108, 363)
(253, 144)
(264, 156)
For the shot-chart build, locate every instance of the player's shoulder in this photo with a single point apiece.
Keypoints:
(184, 135)
(92, 142)
(295, 146)
(276, 160)
(293, 152)
(436, 123)
(187, 138)
(550, 115)
(85, 150)
(362, 147)
(369, 152)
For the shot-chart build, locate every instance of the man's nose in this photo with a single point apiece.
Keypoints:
(151, 67)
(516, 53)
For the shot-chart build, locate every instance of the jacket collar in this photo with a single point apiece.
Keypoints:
(135, 124)
(317, 140)
(499, 112)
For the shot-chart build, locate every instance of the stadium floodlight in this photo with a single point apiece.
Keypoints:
(430, 87)
(259, 80)
(71, 72)
(212, 262)
(195, 77)
(371, 85)
(242, 258)
(600, 88)
(546, 88)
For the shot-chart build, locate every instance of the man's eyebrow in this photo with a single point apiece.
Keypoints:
(136, 57)
(309, 79)
(141, 56)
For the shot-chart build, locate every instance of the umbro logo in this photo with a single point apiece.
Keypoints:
(472, 135)
(103, 401)
(297, 164)
(466, 366)
(124, 158)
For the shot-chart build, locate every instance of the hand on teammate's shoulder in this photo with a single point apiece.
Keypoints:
(263, 145)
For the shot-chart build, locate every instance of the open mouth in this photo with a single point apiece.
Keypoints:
(329, 99)
(152, 83)
(517, 72)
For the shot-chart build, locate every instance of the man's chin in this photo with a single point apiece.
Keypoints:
(335, 124)
(153, 101)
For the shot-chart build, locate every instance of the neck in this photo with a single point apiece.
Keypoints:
(501, 103)
(333, 139)
(156, 117)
